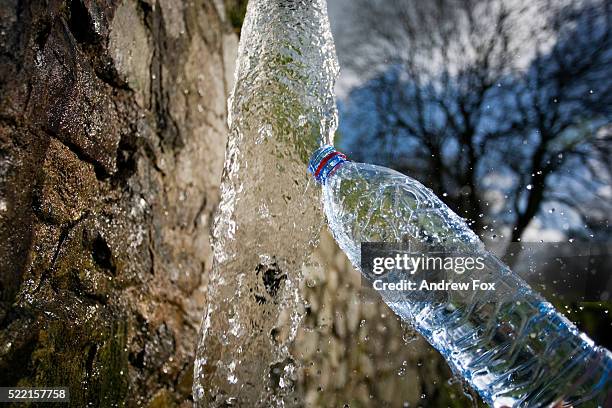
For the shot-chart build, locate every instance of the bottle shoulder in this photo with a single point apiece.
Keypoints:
(361, 179)
(370, 203)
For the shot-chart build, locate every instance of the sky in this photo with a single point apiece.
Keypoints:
(343, 22)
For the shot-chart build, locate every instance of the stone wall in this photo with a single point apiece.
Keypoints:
(355, 352)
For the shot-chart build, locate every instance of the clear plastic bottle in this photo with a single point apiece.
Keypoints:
(509, 344)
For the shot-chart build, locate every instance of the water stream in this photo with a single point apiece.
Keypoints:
(281, 108)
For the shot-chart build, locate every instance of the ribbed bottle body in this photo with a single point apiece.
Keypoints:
(509, 344)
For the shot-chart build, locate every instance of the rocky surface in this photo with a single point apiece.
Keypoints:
(112, 133)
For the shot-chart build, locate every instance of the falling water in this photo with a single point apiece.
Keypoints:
(281, 108)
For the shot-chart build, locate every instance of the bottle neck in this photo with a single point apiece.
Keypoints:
(324, 161)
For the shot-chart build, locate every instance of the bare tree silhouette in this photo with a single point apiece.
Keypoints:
(499, 107)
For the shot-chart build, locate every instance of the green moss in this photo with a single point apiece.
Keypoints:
(162, 399)
(112, 358)
(89, 357)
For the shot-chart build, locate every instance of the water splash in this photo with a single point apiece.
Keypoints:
(282, 108)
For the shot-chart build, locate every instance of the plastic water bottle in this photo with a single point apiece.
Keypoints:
(509, 344)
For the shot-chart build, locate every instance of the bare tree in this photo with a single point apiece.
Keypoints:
(464, 94)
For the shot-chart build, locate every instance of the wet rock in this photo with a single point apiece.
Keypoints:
(109, 174)
(19, 166)
(174, 21)
(130, 49)
(89, 20)
(69, 101)
(68, 187)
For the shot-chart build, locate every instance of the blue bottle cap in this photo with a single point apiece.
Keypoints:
(323, 161)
